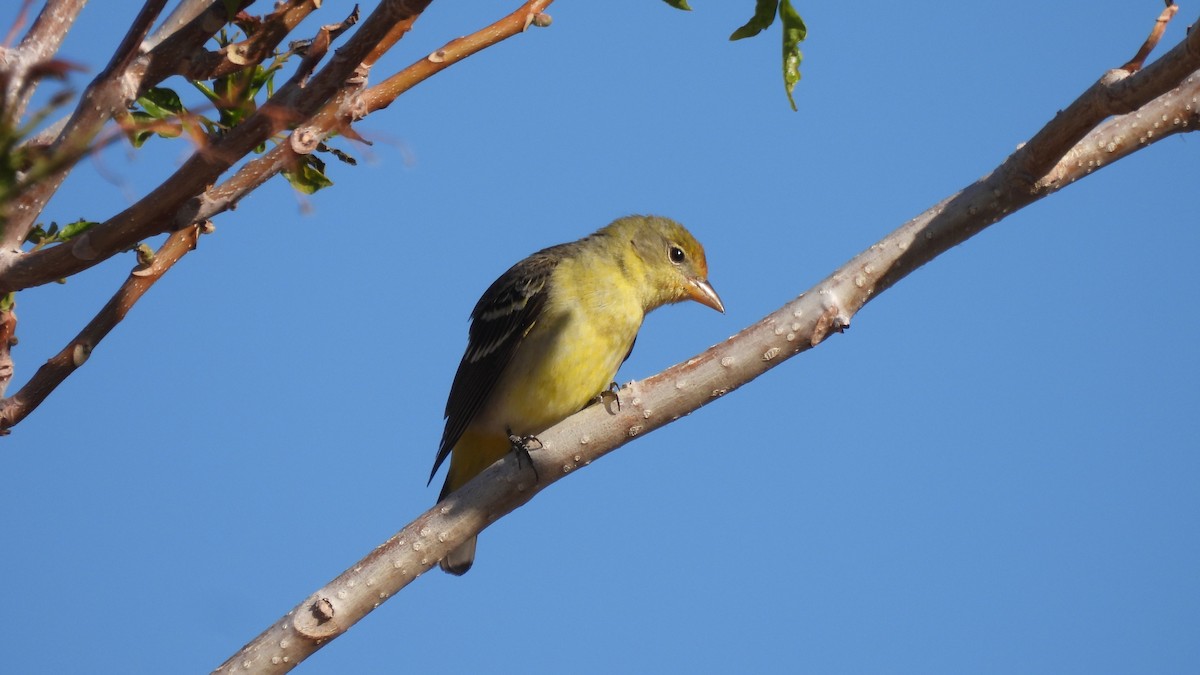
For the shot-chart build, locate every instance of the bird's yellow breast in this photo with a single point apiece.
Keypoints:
(571, 354)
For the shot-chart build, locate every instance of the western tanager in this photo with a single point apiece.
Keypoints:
(548, 336)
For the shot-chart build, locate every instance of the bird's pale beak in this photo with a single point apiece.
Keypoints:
(703, 293)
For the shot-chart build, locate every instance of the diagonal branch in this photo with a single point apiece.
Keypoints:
(171, 52)
(1160, 26)
(106, 95)
(207, 65)
(1071, 137)
(254, 173)
(42, 41)
(47, 378)
(174, 203)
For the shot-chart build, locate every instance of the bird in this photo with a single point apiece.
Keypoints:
(547, 337)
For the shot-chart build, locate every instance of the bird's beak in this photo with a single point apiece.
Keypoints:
(703, 293)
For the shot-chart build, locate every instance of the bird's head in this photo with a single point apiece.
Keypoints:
(670, 258)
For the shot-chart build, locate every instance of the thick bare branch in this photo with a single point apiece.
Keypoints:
(47, 378)
(659, 400)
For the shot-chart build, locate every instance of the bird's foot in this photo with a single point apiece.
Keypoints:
(610, 394)
(521, 445)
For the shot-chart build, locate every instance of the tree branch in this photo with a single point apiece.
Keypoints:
(207, 65)
(60, 366)
(1160, 26)
(335, 114)
(184, 15)
(108, 93)
(39, 44)
(175, 203)
(681, 389)
(336, 117)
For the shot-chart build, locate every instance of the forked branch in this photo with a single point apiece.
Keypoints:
(52, 373)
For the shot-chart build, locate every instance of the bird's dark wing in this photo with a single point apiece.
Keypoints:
(504, 315)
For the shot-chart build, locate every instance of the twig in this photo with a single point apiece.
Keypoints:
(207, 65)
(17, 24)
(331, 118)
(47, 378)
(381, 95)
(1160, 25)
(652, 403)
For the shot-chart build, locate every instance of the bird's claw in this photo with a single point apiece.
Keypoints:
(610, 394)
(521, 445)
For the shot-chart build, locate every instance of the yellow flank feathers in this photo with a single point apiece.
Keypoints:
(549, 335)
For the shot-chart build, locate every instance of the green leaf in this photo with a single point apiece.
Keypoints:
(794, 32)
(309, 176)
(36, 235)
(8, 301)
(206, 90)
(71, 230)
(145, 125)
(764, 15)
(161, 103)
(679, 4)
(138, 135)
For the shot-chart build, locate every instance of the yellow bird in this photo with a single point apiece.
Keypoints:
(548, 336)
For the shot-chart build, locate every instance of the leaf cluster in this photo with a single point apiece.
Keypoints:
(794, 32)
(231, 98)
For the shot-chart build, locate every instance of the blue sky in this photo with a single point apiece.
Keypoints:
(995, 470)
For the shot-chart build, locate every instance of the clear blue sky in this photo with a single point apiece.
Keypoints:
(996, 470)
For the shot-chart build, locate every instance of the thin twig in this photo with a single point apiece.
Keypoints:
(381, 95)
(47, 378)
(332, 118)
(18, 23)
(1160, 25)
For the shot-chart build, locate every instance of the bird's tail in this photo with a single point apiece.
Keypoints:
(473, 453)
(458, 561)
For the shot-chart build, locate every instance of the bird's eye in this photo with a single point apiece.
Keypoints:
(676, 254)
